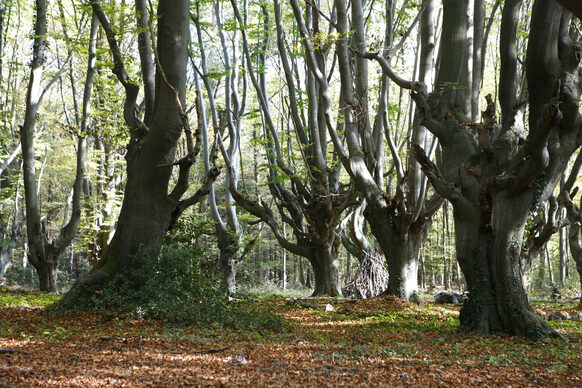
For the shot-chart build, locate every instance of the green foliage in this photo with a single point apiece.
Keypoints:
(8, 298)
(175, 288)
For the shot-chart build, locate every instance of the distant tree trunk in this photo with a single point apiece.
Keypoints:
(575, 217)
(563, 254)
(446, 260)
(422, 272)
(549, 265)
(574, 238)
(11, 231)
(459, 280)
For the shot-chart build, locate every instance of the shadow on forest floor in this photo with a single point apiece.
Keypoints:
(383, 341)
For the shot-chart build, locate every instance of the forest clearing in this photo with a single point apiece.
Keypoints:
(381, 342)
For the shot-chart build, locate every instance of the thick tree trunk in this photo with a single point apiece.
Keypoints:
(228, 245)
(489, 255)
(325, 266)
(403, 268)
(47, 275)
(228, 275)
(149, 208)
(401, 249)
(494, 178)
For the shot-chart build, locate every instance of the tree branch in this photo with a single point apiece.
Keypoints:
(131, 88)
(448, 190)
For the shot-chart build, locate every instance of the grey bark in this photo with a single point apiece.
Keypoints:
(494, 178)
(398, 220)
(575, 217)
(43, 250)
(311, 207)
(149, 200)
(11, 233)
(229, 233)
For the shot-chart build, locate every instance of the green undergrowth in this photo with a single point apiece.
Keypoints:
(175, 289)
(10, 298)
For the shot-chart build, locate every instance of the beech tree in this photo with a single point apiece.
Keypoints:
(398, 219)
(312, 205)
(150, 205)
(496, 173)
(228, 123)
(44, 250)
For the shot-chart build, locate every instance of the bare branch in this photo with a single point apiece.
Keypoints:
(211, 176)
(448, 190)
(387, 69)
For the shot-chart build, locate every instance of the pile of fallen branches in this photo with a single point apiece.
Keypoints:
(370, 280)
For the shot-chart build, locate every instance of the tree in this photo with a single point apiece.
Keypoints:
(312, 205)
(229, 232)
(497, 174)
(44, 251)
(399, 220)
(150, 206)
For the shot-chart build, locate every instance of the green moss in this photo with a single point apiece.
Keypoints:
(26, 298)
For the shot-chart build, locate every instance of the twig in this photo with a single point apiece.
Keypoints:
(12, 351)
(211, 351)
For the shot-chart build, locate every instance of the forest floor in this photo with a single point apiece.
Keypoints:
(379, 342)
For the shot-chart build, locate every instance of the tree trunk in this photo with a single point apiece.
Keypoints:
(401, 249)
(44, 251)
(563, 252)
(228, 245)
(575, 216)
(326, 272)
(4, 261)
(324, 243)
(47, 275)
(489, 258)
(149, 208)
(494, 179)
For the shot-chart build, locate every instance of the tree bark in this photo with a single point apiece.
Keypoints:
(44, 252)
(149, 207)
(494, 178)
(398, 220)
(310, 206)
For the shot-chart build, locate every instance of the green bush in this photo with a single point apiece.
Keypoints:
(174, 288)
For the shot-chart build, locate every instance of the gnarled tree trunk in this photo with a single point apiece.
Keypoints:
(495, 176)
(150, 206)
